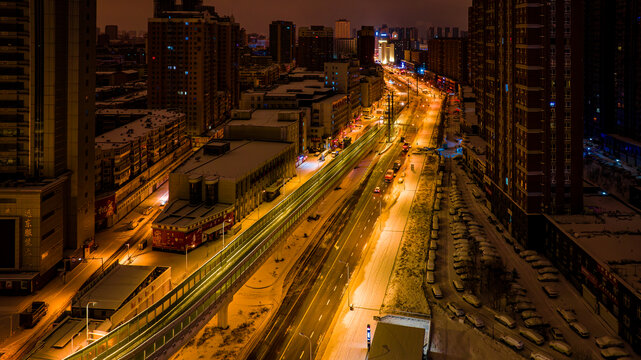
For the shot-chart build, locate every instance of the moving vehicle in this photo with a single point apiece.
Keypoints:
(475, 320)
(561, 347)
(377, 190)
(505, 320)
(436, 290)
(512, 342)
(32, 314)
(132, 224)
(148, 210)
(604, 342)
(397, 166)
(532, 335)
(534, 322)
(389, 175)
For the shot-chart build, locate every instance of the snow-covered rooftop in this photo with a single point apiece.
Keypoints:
(153, 120)
(181, 214)
(242, 157)
(610, 233)
(264, 118)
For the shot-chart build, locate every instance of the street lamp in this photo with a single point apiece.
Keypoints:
(349, 302)
(87, 314)
(310, 344)
(224, 221)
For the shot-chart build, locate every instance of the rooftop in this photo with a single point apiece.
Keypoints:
(113, 289)
(264, 118)
(242, 157)
(309, 87)
(153, 120)
(180, 214)
(400, 337)
(610, 232)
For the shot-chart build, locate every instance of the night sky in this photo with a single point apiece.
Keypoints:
(255, 16)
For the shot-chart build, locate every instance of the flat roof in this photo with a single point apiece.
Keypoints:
(112, 290)
(152, 120)
(180, 214)
(610, 232)
(299, 87)
(400, 337)
(264, 118)
(242, 157)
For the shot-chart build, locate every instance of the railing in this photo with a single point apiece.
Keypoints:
(149, 331)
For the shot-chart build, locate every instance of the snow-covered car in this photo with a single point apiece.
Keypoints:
(540, 356)
(532, 335)
(556, 334)
(524, 306)
(512, 342)
(541, 264)
(561, 347)
(614, 353)
(455, 309)
(458, 286)
(526, 253)
(580, 329)
(436, 291)
(547, 278)
(530, 314)
(548, 270)
(505, 320)
(472, 300)
(567, 314)
(604, 342)
(475, 320)
(551, 291)
(533, 258)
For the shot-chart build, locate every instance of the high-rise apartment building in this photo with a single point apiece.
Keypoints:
(315, 47)
(282, 41)
(344, 78)
(342, 29)
(528, 79)
(613, 77)
(193, 66)
(47, 137)
(449, 58)
(366, 45)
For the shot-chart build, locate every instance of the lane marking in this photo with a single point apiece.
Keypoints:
(301, 354)
(334, 288)
(341, 276)
(320, 317)
(327, 302)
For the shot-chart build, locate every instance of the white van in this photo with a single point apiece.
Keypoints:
(561, 347)
(512, 342)
(532, 336)
(505, 320)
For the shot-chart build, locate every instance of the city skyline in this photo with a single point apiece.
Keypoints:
(257, 17)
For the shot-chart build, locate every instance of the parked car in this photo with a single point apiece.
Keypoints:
(551, 291)
(548, 270)
(512, 342)
(505, 320)
(532, 335)
(523, 306)
(567, 314)
(455, 309)
(530, 314)
(472, 300)
(475, 320)
(614, 353)
(561, 347)
(580, 329)
(534, 322)
(547, 278)
(458, 285)
(604, 342)
(436, 290)
(556, 334)
(430, 277)
(540, 356)
(525, 253)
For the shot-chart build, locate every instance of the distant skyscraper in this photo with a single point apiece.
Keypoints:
(282, 41)
(455, 32)
(342, 29)
(193, 66)
(315, 47)
(112, 31)
(439, 32)
(447, 32)
(431, 33)
(531, 111)
(613, 77)
(366, 43)
(47, 137)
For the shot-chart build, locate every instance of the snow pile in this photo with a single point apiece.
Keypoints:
(405, 289)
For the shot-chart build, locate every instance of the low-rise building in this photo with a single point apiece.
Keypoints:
(217, 186)
(598, 252)
(269, 125)
(329, 117)
(258, 76)
(372, 86)
(130, 158)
